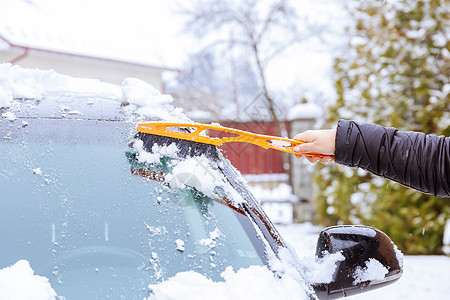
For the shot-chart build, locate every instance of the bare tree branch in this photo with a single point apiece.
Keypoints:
(251, 27)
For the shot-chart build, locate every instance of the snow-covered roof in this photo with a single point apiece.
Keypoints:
(67, 27)
(305, 111)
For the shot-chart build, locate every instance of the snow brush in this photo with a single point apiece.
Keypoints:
(198, 133)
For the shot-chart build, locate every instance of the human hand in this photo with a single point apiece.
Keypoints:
(317, 141)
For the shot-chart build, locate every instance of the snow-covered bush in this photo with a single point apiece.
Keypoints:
(395, 72)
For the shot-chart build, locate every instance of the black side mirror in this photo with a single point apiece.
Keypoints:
(360, 245)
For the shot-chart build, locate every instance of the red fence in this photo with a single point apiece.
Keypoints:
(252, 159)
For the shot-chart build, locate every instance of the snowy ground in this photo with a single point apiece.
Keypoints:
(425, 277)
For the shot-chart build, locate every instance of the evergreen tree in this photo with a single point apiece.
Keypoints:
(396, 73)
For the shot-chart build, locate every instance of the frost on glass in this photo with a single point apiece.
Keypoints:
(89, 216)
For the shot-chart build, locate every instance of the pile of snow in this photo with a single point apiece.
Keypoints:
(19, 282)
(322, 270)
(211, 242)
(313, 271)
(139, 99)
(9, 116)
(147, 102)
(157, 152)
(138, 92)
(255, 282)
(144, 101)
(374, 271)
(196, 172)
(17, 83)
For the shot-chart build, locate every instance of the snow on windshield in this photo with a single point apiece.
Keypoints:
(19, 282)
(198, 172)
(157, 152)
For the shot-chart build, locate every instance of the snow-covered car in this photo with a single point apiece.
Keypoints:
(90, 209)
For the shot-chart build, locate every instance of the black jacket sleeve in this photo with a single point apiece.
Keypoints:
(414, 159)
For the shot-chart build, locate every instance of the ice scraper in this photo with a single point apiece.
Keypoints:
(198, 132)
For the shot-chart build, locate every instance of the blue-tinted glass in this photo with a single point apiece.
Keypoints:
(72, 207)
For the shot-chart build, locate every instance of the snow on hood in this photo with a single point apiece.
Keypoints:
(20, 283)
(255, 282)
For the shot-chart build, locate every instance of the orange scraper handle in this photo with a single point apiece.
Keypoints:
(199, 134)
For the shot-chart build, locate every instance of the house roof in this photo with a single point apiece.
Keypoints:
(26, 25)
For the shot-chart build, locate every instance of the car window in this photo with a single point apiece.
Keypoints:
(78, 206)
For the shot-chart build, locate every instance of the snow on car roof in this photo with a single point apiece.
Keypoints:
(85, 98)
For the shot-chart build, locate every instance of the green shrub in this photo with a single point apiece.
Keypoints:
(396, 73)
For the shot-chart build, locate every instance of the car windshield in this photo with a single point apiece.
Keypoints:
(78, 206)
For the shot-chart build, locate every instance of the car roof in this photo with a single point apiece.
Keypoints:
(59, 105)
(46, 94)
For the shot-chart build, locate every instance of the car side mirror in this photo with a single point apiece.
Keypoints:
(371, 260)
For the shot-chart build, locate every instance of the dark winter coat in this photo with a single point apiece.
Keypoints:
(414, 159)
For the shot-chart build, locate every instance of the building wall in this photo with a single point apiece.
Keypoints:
(107, 71)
